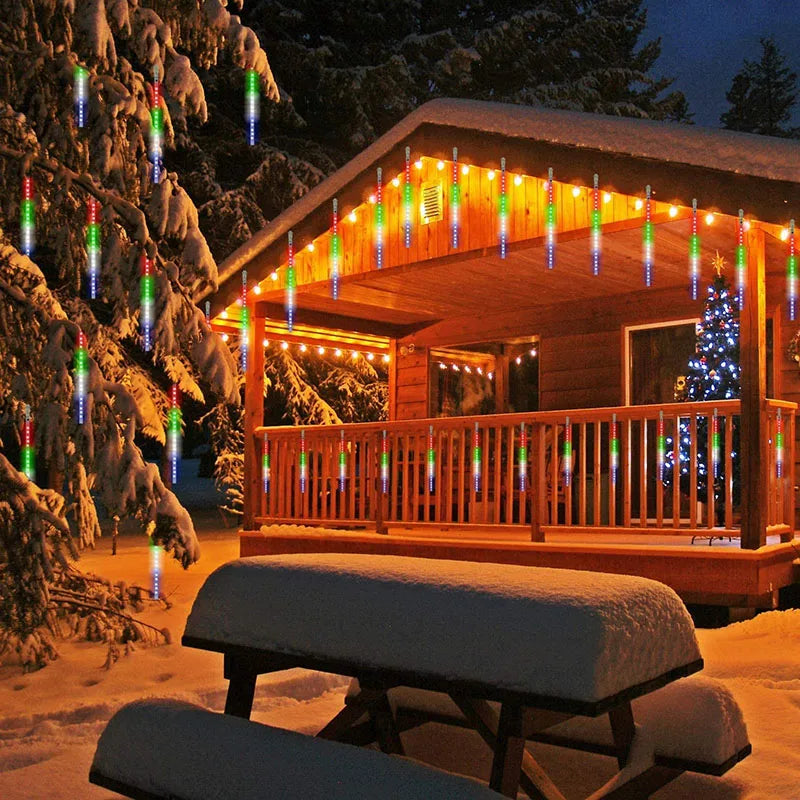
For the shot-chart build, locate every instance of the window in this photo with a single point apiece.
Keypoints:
(657, 356)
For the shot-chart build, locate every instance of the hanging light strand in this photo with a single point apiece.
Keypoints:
(385, 462)
(380, 219)
(174, 432)
(27, 213)
(80, 92)
(265, 464)
(476, 459)
(648, 239)
(431, 460)
(716, 459)
(303, 462)
(741, 260)
(661, 444)
(614, 450)
(455, 202)
(550, 223)
(342, 463)
(252, 104)
(503, 210)
(81, 379)
(779, 444)
(93, 246)
(28, 453)
(694, 254)
(567, 453)
(156, 128)
(597, 227)
(245, 324)
(148, 302)
(408, 199)
(155, 568)
(290, 285)
(336, 247)
(523, 457)
(791, 274)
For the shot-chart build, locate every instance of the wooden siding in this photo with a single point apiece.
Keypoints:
(411, 383)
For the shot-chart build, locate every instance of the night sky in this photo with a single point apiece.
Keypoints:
(705, 41)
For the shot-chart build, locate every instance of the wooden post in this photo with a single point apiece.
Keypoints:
(253, 418)
(754, 458)
(392, 410)
(501, 393)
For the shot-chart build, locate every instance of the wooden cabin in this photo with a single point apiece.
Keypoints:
(532, 371)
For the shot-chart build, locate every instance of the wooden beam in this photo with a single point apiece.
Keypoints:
(392, 410)
(753, 354)
(253, 418)
(501, 391)
(323, 319)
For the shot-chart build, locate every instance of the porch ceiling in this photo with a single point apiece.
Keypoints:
(405, 298)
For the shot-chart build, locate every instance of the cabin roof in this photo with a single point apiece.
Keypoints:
(725, 170)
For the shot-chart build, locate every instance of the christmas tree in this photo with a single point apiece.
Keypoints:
(712, 374)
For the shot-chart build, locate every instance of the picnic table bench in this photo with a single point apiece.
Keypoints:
(518, 652)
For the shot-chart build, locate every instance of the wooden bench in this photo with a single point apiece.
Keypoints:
(170, 750)
(545, 644)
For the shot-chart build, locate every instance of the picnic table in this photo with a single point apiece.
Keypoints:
(519, 652)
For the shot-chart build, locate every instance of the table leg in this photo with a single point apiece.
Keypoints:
(508, 749)
(356, 707)
(386, 728)
(241, 687)
(623, 731)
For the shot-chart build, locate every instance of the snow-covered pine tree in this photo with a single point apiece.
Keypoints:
(44, 304)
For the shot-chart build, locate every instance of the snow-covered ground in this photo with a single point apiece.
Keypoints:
(50, 720)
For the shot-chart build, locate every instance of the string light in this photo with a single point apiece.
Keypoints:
(290, 285)
(567, 453)
(597, 227)
(303, 462)
(779, 444)
(715, 444)
(455, 202)
(27, 213)
(694, 254)
(265, 464)
(523, 457)
(81, 380)
(155, 568)
(741, 260)
(80, 92)
(661, 445)
(791, 274)
(28, 453)
(336, 244)
(503, 210)
(614, 450)
(93, 246)
(252, 104)
(648, 236)
(408, 198)
(379, 221)
(147, 291)
(550, 223)
(342, 463)
(156, 127)
(245, 323)
(431, 459)
(385, 462)
(476, 459)
(174, 432)
(208, 312)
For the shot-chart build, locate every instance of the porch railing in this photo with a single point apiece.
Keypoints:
(598, 469)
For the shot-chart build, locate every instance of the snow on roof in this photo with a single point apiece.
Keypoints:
(728, 151)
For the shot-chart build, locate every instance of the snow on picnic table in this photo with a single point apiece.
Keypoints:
(50, 720)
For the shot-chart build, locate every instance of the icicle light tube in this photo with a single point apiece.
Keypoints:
(208, 312)
(252, 104)
(156, 128)
(380, 219)
(342, 463)
(245, 324)
(791, 274)
(290, 285)
(80, 92)
(174, 433)
(523, 457)
(715, 445)
(147, 302)
(614, 450)
(694, 254)
(408, 200)
(81, 377)
(155, 569)
(648, 238)
(661, 446)
(385, 463)
(550, 223)
(265, 464)
(502, 211)
(597, 227)
(455, 203)
(27, 214)
(741, 260)
(476, 459)
(28, 453)
(779, 444)
(336, 249)
(431, 460)
(303, 462)
(93, 246)
(567, 453)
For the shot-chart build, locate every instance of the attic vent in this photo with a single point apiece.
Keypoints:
(431, 208)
